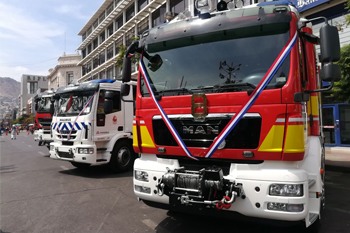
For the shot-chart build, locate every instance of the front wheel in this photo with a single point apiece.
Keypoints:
(123, 157)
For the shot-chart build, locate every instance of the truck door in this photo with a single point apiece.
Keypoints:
(109, 115)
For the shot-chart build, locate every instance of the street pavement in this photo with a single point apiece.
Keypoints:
(39, 194)
(338, 158)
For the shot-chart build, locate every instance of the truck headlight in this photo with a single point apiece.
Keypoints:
(141, 175)
(142, 189)
(85, 150)
(291, 190)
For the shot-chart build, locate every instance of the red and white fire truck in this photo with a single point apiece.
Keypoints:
(42, 123)
(228, 112)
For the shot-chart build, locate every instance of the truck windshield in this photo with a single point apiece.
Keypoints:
(44, 105)
(222, 61)
(71, 104)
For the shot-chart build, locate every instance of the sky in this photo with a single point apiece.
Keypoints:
(35, 33)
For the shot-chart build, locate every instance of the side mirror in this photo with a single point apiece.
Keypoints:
(330, 72)
(125, 89)
(52, 109)
(109, 94)
(330, 44)
(36, 106)
(108, 106)
(126, 73)
(155, 63)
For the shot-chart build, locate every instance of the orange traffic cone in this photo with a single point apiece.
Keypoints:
(6, 133)
(27, 132)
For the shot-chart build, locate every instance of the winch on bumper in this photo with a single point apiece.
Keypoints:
(263, 190)
(205, 188)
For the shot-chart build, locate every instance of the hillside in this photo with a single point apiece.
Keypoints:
(9, 88)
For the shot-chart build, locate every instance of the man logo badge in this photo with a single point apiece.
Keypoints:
(199, 105)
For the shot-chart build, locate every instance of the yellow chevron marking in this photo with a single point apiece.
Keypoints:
(146, 137)
(135, 142)
(273, 142)
(295, 139)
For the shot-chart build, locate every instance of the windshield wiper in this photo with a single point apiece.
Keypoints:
(183, 90)
(236, 85)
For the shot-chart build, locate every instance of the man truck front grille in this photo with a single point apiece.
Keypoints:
(245, 135)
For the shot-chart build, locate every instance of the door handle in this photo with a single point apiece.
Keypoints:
(337, 125)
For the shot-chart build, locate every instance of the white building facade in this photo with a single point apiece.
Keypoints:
(29, 85)
(66, 71)
(116, 23)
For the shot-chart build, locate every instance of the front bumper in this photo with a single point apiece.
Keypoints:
(255, 180)
(70, 153)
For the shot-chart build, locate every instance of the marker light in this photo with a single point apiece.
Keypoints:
(295, 190)
(285, 207)
(142, 189)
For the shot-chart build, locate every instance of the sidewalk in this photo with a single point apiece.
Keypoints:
(338, 158)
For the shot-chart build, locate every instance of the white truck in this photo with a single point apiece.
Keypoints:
(42, 103)
(93, 126)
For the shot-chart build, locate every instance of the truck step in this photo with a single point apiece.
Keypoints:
(312, 218)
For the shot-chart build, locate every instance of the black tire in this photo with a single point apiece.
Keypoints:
(123, 157)
(80, 165)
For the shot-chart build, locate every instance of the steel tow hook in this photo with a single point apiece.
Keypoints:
(222, 203)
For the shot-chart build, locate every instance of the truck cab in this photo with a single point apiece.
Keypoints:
(92, 126)
(42, 123)
(228, 112)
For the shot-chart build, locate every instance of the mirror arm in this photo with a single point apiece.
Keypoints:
(302, 23)
(322, 89)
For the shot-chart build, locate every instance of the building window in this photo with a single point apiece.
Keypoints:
(102, 37)
(158, 16)
(118, 43)
(178, 6)
(83, 69)
(101, 18)
(89, 31)
(116, 2)
(130, 12)
(109, 52)
(129, 36)
(95, 63)
(70, 77)
(102, 74)
(109, 9)
(109, 72)
(102, 57)
(142, 26)
(142, 4)
(89, 49)
(32, 87)
(119, 22)
(110, 30)
(83, 37)
(83, 53)
(95, 24)
(118, 73)
(88, 67)
(95, 43)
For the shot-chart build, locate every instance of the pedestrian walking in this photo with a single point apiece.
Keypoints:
(13, 132)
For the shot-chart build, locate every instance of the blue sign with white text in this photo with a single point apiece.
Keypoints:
(303, 5)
